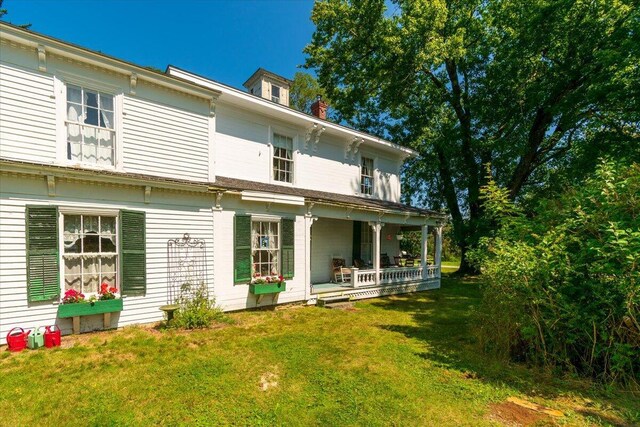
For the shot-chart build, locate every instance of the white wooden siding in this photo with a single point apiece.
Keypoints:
(330, 237)
(169, 216)
(164, 141)
(27, 115)
(236, 296)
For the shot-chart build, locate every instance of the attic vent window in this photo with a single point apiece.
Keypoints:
(275, 93)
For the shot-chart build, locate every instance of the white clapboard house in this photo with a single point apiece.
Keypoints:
(106, 164)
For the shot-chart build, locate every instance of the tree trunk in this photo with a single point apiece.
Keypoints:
(466, 269)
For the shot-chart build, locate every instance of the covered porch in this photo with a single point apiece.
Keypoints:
(372, 260)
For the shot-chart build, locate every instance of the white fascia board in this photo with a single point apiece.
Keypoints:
(283, 199)
(246, 100)
(67, 50)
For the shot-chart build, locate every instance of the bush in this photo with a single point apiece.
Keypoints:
(196, 309)
(563, 283)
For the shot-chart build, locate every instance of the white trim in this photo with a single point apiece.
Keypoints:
(264, 217)
(77, 210)
(258, 196)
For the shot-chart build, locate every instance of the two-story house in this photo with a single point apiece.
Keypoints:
(114, 173)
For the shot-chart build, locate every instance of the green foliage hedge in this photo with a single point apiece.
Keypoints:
(563, 286)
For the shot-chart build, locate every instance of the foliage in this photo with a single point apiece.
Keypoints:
(563, 285)
(196, 310)
(530, 87)
(71, 296)
(304, 91)
(412, 243)
(4, 12)
(374, 366)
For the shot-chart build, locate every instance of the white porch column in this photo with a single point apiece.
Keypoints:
(308, 222)
(424, 253)
(438, 255)
(376, 227)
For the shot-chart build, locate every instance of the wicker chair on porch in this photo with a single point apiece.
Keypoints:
(341, 273)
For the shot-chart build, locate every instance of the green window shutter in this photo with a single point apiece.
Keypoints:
(288, 247)
(356, 252)
(43, 257)
(242, 249)
(133, 255)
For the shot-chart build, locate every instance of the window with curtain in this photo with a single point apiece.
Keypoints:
(282, 158)
(366, 176)
(90, 126)
(90, 252)
(265, 248)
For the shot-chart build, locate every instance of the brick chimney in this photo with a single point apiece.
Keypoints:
(319, 108)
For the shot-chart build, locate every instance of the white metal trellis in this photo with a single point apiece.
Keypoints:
(186, 259)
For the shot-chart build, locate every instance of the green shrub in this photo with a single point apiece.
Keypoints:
(196, 310)
(563, 281)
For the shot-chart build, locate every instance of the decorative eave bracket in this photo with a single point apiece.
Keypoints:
(317, 139)
(51, 186)
(352, 148)
(42, 58)
(133, 83)
(219, 195)
(147, 194)
(212, 106)
(307, 135)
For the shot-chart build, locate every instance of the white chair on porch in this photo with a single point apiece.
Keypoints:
(341, 273)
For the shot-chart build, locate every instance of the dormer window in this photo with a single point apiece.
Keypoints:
(366, 176)
(275, 93)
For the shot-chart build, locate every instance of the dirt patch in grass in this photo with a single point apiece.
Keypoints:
(510, 414)
(268, 380)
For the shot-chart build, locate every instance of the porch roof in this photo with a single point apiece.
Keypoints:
(234, 184)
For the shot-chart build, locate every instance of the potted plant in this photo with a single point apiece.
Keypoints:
(267, 285)
(75, 303)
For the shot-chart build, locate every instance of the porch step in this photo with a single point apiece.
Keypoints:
(333, 302)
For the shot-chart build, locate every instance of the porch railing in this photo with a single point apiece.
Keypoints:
(393, 275)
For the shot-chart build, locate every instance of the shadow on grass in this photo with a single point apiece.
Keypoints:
(443, 322)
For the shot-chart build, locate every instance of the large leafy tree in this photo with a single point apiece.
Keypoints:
(529, 87)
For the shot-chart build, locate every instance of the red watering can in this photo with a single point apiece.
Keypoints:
(17, 341)
(51, 338)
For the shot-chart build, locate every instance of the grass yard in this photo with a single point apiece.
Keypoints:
(404, 360)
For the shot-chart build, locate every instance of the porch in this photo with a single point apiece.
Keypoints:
(378, 246)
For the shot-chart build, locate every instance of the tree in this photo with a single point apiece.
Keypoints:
(4, 12)
(304, 91)
(523, 86)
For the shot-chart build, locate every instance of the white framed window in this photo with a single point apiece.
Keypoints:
(90, 126)
(275, 93)
(265, 247)
(282, 158)
(89, 251)
(366, 176)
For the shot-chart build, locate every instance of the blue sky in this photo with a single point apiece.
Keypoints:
(224, 40)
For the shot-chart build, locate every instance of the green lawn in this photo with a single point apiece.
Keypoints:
(404, 360)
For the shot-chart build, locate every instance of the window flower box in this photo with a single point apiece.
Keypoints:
(267, 288)
(267, 285)
(90, 308)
